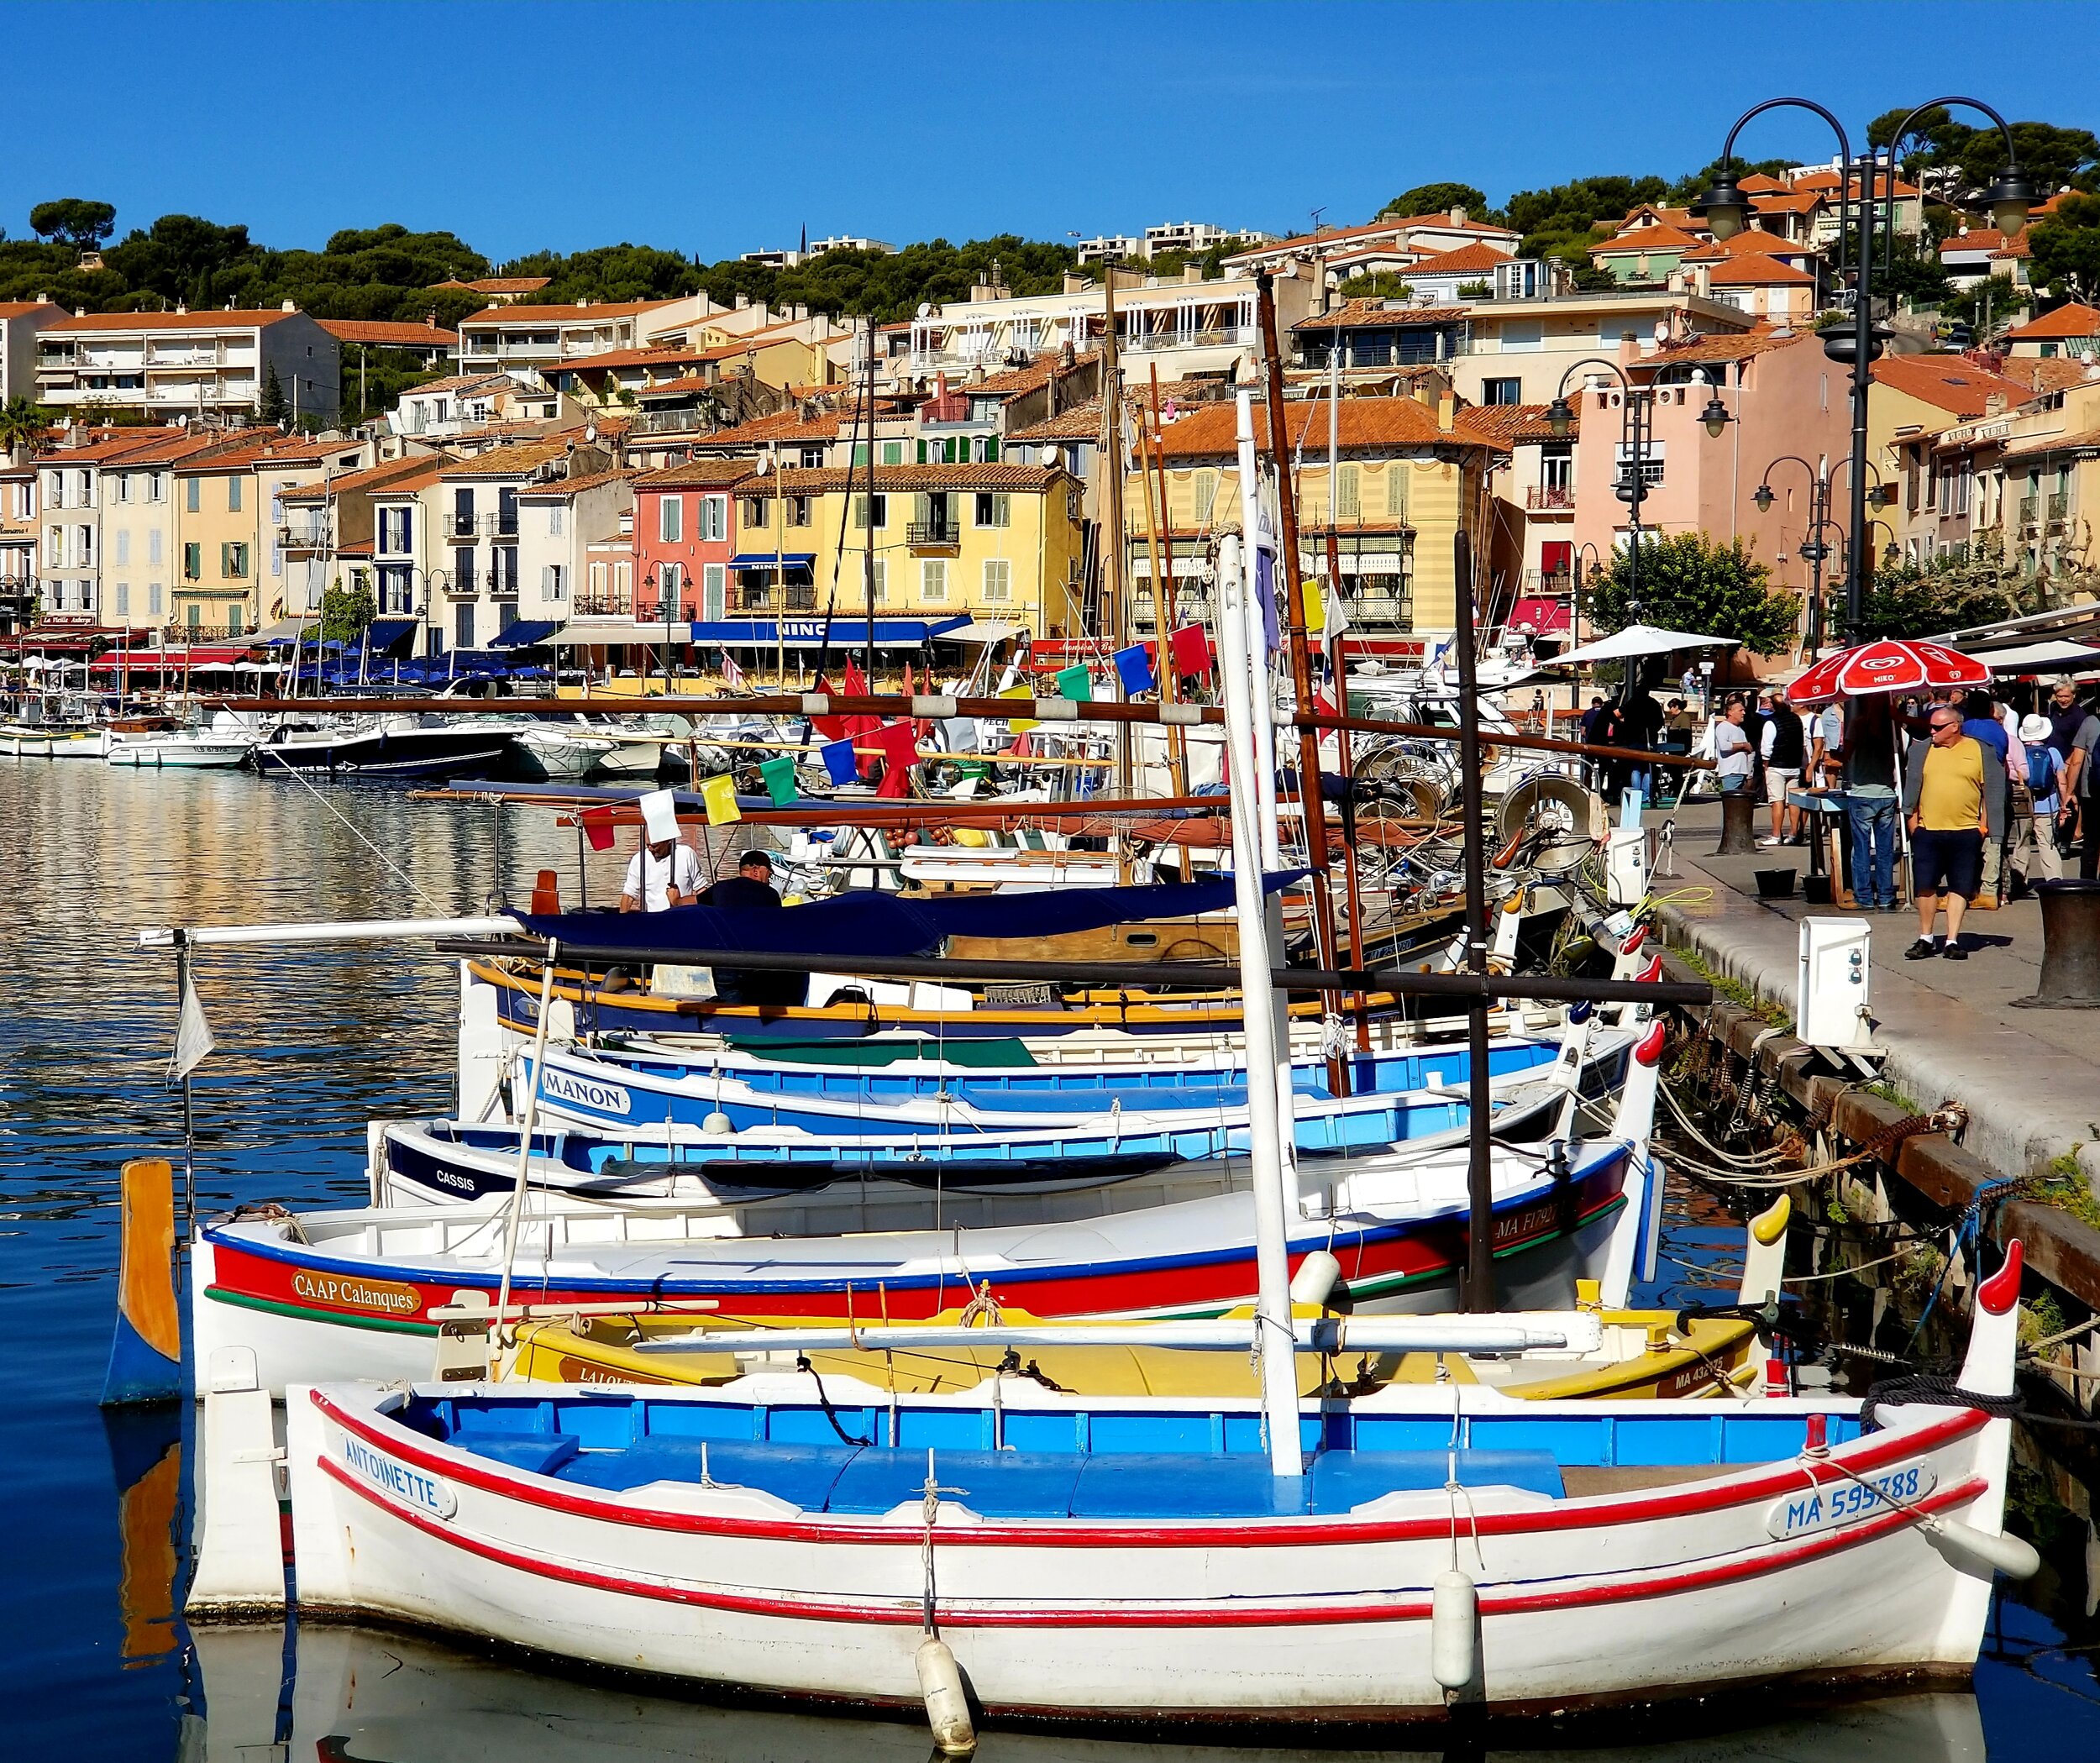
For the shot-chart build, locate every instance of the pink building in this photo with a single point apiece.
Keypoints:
(1783, 396)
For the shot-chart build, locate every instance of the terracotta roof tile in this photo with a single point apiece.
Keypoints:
(703, 473)
(510, 284)
(782, 426)
(1793, 202)
(458, 383)
(1515, 425)
(502, 315)
(2079, 442)
(1681, 220)
(373, 477)
(1015, 381)
(568, 486)
(1758, 272)
(1952, 382)
(110, 446)
(2052, 374)
(413, 485)
(2073, 319)
(512, 461)
(1750, 242)
(630, 358)
(1081, 422)
(1353, 313)
(1001, 475)
(23, 308)
(1973, 239)
(1474, 256)
(1761, 183)
(1707, 349)
(1365, 424)
(381, 333)
(211, 321)
(1646, 239)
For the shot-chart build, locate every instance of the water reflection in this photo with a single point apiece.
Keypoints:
(359, 1695)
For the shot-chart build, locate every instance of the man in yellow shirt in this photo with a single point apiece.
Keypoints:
(1951, 810)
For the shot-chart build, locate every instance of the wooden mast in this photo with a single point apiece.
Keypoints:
(1312, 811)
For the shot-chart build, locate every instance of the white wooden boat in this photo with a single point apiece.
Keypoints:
(356, 1292)
(50, 741)
(1053, 1557)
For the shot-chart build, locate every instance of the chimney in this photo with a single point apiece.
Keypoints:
(180, 307)
(1447, 408)
(290, 306)
(1458, 216)
(1994, 406)
(743, 300)
(1193, 273)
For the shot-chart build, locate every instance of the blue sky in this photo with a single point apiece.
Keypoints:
(721, 127)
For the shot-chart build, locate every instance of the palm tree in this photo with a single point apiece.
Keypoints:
(22, 427)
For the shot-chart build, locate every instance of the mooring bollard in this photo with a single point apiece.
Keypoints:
(2070, 948)
(1739, 819)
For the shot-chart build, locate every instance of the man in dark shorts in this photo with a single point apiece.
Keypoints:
(1952, 808)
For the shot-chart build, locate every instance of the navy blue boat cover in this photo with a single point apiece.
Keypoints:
(867, 922)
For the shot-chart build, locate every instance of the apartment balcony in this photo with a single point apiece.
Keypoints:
(1551, 499)
(2030, 510)
(773, 602)
(935, 537)
(212, 356)
(2058, 508)
(672, 421)
(460, 584)
(607, 605)
(303, 538)
(1160, 342)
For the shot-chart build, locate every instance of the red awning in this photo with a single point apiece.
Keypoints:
(1540, 616)
(164, 661)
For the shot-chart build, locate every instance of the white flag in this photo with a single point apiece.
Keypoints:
(193, 1034)
(732, 675)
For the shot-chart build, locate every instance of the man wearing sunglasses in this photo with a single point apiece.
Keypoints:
(1952, 808)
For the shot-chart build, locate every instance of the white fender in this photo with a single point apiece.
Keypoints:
(948, 1708)
(1454, 1621)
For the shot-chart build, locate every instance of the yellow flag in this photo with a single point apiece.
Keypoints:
(1314, 613)
(720, 796)
(1020, 725)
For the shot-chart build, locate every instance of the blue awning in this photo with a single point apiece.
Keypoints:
(770, 560)
(525, 632)
(866, 923)
(383, 633)
(809, 633)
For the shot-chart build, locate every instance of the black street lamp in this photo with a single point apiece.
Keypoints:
(1636, 421)
(1727, 209)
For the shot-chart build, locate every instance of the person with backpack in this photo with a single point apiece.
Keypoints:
(1783, 746)
(2035, 850)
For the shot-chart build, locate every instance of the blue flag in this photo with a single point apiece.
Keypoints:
(1134, 669)
(839, 763)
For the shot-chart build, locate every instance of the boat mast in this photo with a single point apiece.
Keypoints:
(867, 551)
(1164, 592)
(1273, 1327)
(1113, 620)
(1480, 1280)
(1312, 810)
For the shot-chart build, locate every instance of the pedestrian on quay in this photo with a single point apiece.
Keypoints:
(1680, 726)
(1953, 807)
(2065, 713)
(1867, 770)
(1595, 719)
(2034, 856)
(2077, 816)
(1783, 747)
(1732, 748)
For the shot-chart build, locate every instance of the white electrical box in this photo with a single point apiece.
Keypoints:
(1626, 866)
(1833, 985)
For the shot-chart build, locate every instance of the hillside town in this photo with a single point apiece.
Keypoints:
(699, 484)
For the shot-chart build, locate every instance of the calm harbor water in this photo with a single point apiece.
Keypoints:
(313, 1042)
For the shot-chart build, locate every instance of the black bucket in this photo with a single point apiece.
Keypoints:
(1774, 883)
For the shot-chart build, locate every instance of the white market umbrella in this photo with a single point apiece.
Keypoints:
(1638, 640)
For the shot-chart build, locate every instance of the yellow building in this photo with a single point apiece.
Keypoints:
(996, 543)
(1409, 472)
(218, 541)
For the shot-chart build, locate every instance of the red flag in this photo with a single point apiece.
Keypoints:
(1190, 649)
(832, 728)
(597, 827)
(900, 745)
(856, 681)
